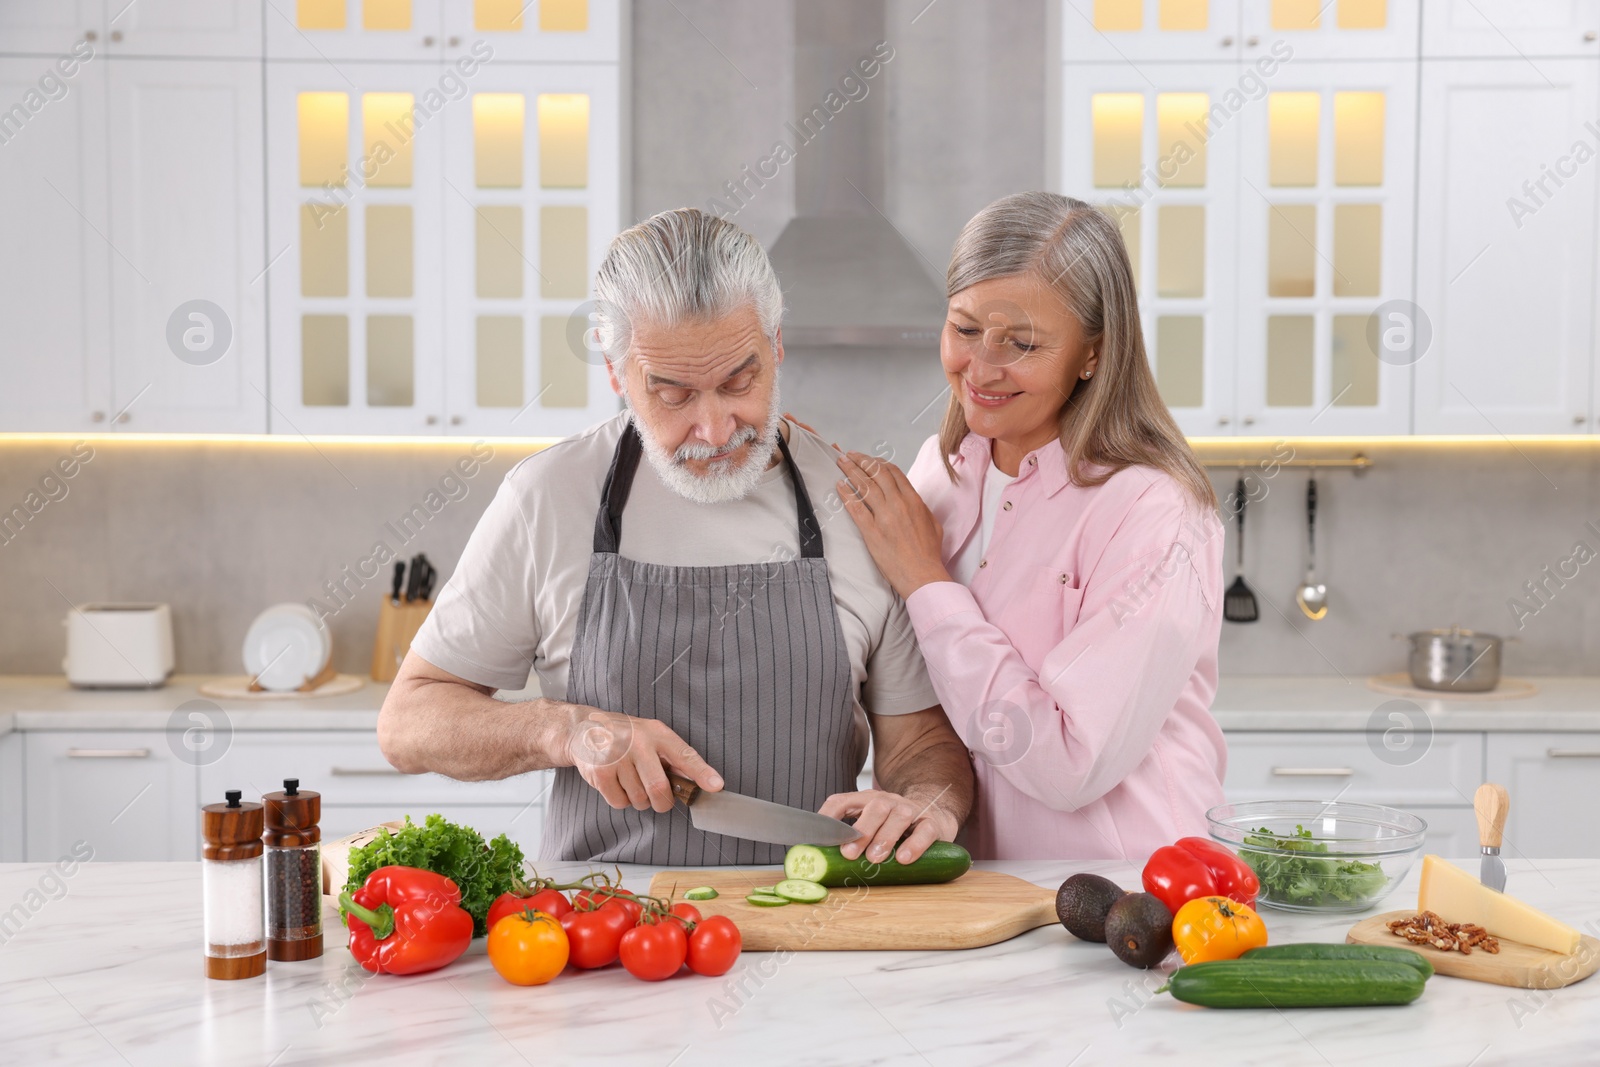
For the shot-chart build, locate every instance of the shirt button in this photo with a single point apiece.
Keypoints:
(982, 564)
(1006, 506)
(1065, 578)
(1031, 461)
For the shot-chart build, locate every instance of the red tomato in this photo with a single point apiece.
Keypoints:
(714, 946)
(594, 936)
(687, 911)
(548, 901)
(619, 898)
(654, 951)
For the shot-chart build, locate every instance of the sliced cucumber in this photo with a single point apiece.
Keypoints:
(767, 900)
(701, 892)
(801, 891)
(823, 864)
(769, 890)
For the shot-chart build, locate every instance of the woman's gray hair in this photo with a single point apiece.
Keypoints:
(682, 265)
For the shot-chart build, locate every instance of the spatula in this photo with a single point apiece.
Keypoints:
(1239, 603)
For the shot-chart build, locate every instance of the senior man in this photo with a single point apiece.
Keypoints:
(693, 612)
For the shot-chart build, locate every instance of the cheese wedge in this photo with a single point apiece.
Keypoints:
(1456, 896)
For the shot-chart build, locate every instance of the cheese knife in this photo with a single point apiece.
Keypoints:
(1491, 803)
(754, 819)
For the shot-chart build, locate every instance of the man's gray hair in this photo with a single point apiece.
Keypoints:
(682, 265)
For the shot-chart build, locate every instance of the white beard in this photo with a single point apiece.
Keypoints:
(722, 481)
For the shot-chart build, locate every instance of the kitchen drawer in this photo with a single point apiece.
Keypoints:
(11, 799)
(1452, 832)
(522, 823)
(1321, 766)
(1552, 780)
(124, 792)
(347, 767)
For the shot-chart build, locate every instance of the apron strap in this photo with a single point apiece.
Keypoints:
(619, 483)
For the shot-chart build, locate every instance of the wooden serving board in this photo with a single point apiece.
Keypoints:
(1515, 964)
(979, 908)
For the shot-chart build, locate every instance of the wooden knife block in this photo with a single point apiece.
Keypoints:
(397, 625)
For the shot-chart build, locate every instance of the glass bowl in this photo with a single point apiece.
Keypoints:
(1320, 856)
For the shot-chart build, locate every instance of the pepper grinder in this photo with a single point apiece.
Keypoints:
(294, 873)
(230, 875)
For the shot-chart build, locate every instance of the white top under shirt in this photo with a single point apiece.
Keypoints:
(995, 484)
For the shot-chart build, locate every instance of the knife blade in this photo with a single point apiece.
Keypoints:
(754, 819)
(413, 579)
(1491, 802)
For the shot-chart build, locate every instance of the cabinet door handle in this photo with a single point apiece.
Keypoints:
(1312, 772)
(365, 772)
(1573, 753)
(108, 753)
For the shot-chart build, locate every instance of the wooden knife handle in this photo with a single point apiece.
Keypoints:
(682, 788)
(1491, 802)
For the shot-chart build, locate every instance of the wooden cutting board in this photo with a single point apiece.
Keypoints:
(979, 908)
(1515, 964)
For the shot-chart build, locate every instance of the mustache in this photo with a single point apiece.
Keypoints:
(741, 437)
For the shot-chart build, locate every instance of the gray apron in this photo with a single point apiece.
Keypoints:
(746, 663)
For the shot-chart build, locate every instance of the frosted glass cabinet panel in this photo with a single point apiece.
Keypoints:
(1140, 144)
(354, 221)
(532, 171)
(569, 31)
(1331, 29)
(1325, 243)
(1506, 247)
(1122, 31)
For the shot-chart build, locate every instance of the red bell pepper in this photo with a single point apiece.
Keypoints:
(1233, 877)
(1176, 876)
(404, 920)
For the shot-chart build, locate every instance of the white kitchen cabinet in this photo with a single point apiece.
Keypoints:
(1325, 242)
(188, 296)
(330, 32)
(11, 804)
(525, 230)
(125, 792)
(562, 31)
(1331, 29)
(1345, 765)
(1452, 832)
(1551, 779)
(355, 199)
(49, 29)
(202, 28)
(1505, 268)
(53, 278)
(1511, 29)
(1136, 142)
(1131, 31)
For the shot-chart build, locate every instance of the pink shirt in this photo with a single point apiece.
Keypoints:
(1080, 664)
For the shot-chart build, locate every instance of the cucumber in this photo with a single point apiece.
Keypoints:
(1273, 983)
(942, 862)
(801, 891)
(767, 900)
(701, 892)
(765, 890)
(1314, 951)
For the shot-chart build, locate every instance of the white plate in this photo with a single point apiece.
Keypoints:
(286, 645)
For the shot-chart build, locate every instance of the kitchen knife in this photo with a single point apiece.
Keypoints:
(414, 580)
(1491, 802)
(753, 819)
(425, 588)
(399, 577)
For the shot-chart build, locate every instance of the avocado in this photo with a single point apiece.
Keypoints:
(1082, 903)
(1139, 930)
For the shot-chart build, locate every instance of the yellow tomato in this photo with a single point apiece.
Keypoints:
(528, 947)
(1216, 928)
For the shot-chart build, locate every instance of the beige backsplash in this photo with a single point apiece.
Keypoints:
(1432, 534)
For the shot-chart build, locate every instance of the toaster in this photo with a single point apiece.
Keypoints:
(119, 646)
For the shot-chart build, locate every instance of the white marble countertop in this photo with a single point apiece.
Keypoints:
(109, 970)
(47, 702)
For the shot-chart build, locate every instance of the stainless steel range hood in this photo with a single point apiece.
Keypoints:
(849, 279)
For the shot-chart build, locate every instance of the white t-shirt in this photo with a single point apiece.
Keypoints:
(995, 484)
(512, 602)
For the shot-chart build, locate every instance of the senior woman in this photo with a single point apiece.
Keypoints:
(1058, 548)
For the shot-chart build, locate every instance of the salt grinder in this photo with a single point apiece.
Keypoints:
(230, 874)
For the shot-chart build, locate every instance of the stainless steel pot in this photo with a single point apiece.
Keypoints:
(1454, 660)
